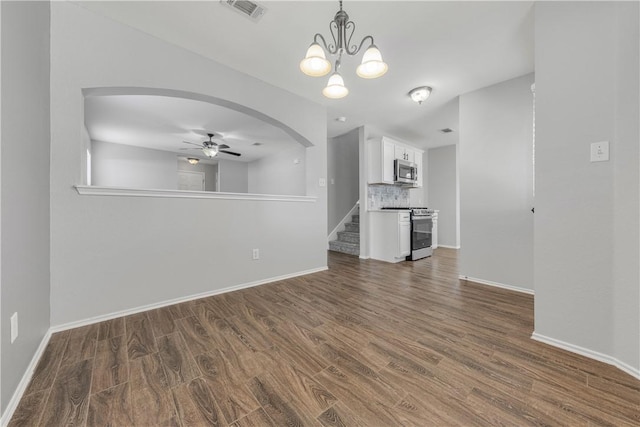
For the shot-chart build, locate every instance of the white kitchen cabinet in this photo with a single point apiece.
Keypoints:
(381, 156)
(390, 237)
(382, 153)
(418, 162)
(404, 238)
(405, 153)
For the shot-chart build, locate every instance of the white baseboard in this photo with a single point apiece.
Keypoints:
(634, 372)
(24, 382)
(448, 247)
(114, 315)
(497, 285)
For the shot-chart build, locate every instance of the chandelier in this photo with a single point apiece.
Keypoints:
(315, 63)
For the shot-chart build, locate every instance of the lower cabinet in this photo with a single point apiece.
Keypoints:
(390, 235)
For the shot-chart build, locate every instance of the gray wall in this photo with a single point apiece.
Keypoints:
(496, 179)
(210, 173)
(279, 173)
(119, 165)
(234, 176)
(343, 165)
(442, 182)
(586, 221)
(135, 251)
(25, 134)
(626, 251)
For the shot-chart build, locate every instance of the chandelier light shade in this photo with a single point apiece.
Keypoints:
(315, 63)
(420, 94)
(193, 160)
(372, 65)
(335, 87)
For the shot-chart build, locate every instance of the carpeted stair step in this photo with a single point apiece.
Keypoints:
(345, 247)
(347, 236)
(352, 227)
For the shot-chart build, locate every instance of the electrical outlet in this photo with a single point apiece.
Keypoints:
(256, 254)
(322, 182)
(14, 327)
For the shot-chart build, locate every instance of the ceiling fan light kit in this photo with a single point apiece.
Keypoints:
(210, 152)
(211, 148)
(420, 94)
(315, 63)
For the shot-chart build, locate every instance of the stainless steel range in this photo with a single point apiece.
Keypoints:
(421, 232)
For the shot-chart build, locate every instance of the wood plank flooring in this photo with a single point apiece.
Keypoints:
(365, 343)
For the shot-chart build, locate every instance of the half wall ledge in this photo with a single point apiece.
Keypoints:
(91, 190)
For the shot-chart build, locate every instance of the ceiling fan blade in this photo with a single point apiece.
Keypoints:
(194, 148)
(187, 142)
(223, 146)
(230, 152)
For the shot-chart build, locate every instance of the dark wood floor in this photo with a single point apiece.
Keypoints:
(365, 343)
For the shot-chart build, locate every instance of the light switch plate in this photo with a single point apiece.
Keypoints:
(14, 327)
(600, 151)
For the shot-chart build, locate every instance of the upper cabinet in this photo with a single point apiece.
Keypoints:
(381, 157)
(405, 153)
(418, 161)
(382, 153)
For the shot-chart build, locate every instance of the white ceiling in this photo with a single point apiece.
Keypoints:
(165, 123)
(455, 47)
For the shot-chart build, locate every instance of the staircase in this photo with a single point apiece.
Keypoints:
(348, 241)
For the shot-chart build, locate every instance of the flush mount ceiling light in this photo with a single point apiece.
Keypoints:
(315, 63)
(420, 94)
(193, 160)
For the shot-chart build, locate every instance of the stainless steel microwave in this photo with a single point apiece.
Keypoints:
(405, 172)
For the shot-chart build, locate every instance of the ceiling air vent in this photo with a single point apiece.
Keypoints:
(446, 130)
(250, 9)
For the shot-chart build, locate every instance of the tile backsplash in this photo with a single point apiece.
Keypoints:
(387, 196)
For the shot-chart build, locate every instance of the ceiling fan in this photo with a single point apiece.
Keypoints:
(211, 148)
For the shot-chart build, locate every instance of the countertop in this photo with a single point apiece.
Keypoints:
(390, 210)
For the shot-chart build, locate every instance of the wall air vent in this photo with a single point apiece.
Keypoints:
(446, 130)
(249, 9)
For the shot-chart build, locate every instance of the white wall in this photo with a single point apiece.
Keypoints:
(586, 221)
(24, 200)
(234, 176)
(119, 165)
(496, 178)
(442, 182)
(279, 173)
(626, 251)
(110, 254)
(343, 166)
